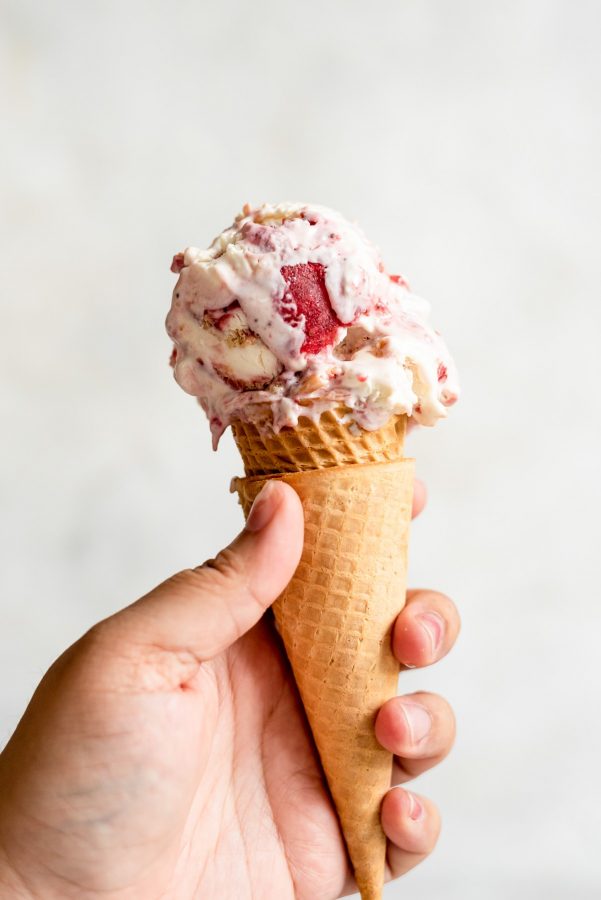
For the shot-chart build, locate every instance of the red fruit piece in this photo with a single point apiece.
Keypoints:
(398, 279)
(177, 264)
(259, 235)
(307, 296)
(220, 317)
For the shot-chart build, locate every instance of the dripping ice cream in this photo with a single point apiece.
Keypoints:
(291, 312)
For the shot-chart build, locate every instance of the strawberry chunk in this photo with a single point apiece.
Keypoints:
(307, 296)
(177, 263)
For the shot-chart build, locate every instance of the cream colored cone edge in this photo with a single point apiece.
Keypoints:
(335, 619)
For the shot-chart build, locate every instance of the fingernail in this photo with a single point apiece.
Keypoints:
(434, 626)
(263, 508)
(419, 721)
(416, 810)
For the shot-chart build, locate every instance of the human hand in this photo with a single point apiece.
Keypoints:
(166, 753)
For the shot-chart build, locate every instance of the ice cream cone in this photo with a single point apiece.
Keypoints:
(290, 318)
(336, 615)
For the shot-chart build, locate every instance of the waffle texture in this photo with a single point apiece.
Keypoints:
(329, 441)
(335, 619)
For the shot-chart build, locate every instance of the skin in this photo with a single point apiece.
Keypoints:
(166, 753)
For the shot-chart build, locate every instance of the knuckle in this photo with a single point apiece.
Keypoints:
(211, 576)
(225, 566)
(100, 638)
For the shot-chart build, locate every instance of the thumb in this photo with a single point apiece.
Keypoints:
(206, 609)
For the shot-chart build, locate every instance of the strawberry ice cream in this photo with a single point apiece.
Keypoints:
(291, 310)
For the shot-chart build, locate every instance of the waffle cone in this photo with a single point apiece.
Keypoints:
(335, 619)
(329, 441)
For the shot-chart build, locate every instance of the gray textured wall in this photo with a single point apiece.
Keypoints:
(465, 137)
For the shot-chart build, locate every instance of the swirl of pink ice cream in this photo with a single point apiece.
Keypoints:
(291, 308)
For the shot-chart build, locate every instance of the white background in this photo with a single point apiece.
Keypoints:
(465, 137)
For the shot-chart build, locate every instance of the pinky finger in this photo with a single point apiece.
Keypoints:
(412, 826)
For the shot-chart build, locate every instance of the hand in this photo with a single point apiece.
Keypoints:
(166, 753)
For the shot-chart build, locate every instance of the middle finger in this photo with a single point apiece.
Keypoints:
(419, 729)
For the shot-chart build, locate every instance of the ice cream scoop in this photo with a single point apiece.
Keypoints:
(291, 309)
